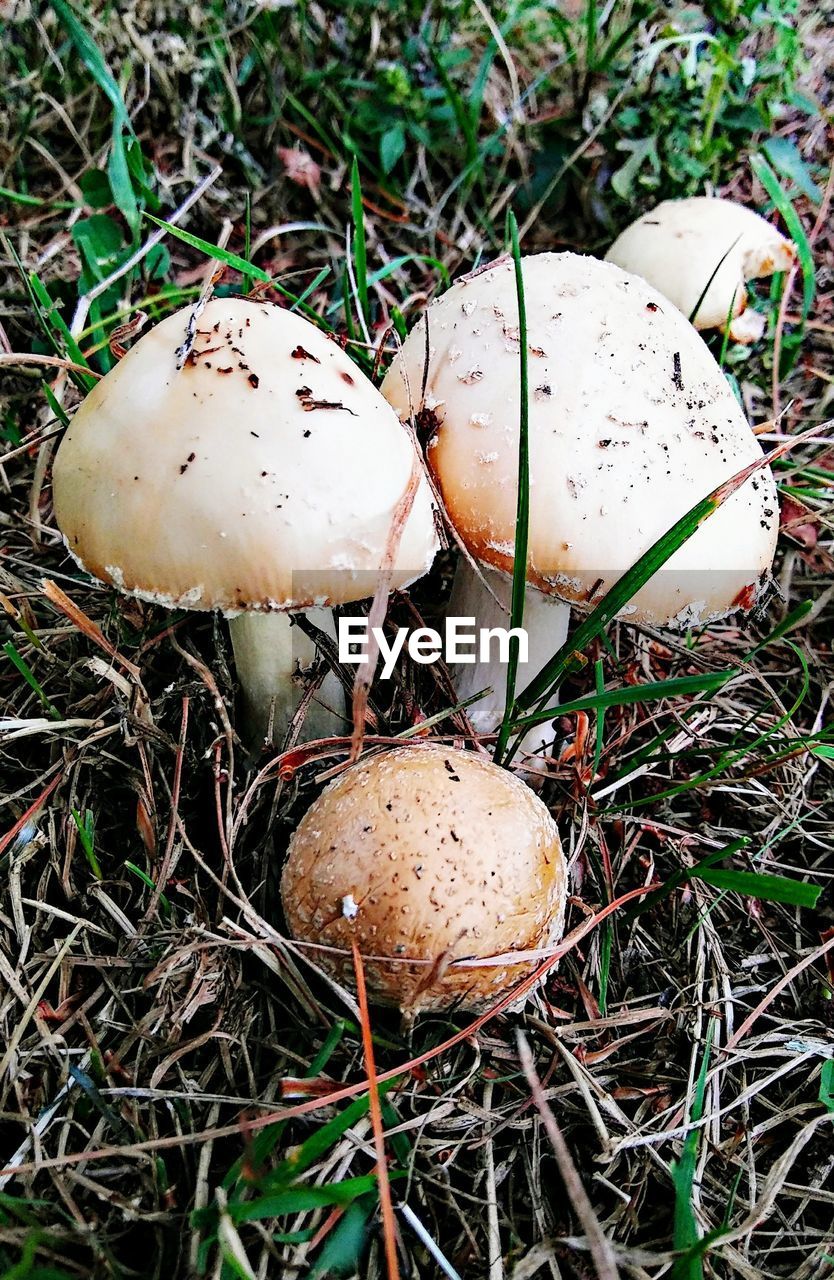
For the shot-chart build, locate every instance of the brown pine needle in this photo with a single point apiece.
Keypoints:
(85, 625)
(389, 1228)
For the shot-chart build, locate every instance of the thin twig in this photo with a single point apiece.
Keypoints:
(598, 1243)
(389, 1226)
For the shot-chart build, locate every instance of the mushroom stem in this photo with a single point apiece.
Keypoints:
(268, 651)
(546, 621)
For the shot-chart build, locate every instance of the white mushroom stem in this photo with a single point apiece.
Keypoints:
(269, 651)
(546, 620)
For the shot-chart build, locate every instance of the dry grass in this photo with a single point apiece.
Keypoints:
(150, 1007)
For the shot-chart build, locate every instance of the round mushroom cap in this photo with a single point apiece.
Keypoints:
(631, 422)
(437, 855)
(264, 473)
(684, 247)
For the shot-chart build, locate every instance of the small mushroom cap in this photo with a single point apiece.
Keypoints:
(263, 474)
(683, 246)
(631, 422)
(446, 856)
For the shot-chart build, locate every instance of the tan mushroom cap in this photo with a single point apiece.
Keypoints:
(446, 856)
(683, 246)
(631, 423)
(263, 474)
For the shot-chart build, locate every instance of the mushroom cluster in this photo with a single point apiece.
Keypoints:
(242, 462)
(237, 460)
(432, 860)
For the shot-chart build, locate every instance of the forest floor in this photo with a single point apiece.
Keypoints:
(149, 1009)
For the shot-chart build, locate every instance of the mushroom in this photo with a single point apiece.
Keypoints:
(699, 253)
(426, 856)
(240, 461)
(631, 422)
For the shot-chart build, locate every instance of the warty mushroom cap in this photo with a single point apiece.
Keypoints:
(683, 246)
(445, 856)
(631, 423)
(263, 474)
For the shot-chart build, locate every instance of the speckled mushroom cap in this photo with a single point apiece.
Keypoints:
(631, 423)
(445, 856)
(262, 474)
(683, 246)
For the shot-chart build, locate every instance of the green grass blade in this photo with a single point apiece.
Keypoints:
(247, 239)
(680, 686)
(764, 887)
(679, 877)
(49, 318)
(522, 499)
(571, 654)
(229, 259)
(731, 757)
(827, 1085)
(320, 1141)
(751, 884)
(20, 197)
(693, 313)
(86, 836)
(360, 253)
(18, 661)
(164, 904)
(302, 1199)
(93, 60)
(686, 1235)
(599, 737)
(606, 947)
(771, 184)
(343, 1248)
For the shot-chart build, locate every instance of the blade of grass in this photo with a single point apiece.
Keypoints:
(693, 313)
(686, 1234)
(730, 757)
(93, 60)
(19, 197)
(360, 253)
(18, 661)
(302, 1199)
(827, 1085)
(51, 321)
(725, 341)
(782, 202)
(86, 836)
(646, 752)
(522, 500)
(669, 886)
(599, 737)
(571, 655)
(229, 259)
(605, 948)
(676, 687)
(751, 884)
(247, 238)
(149, 884)
(762, 886)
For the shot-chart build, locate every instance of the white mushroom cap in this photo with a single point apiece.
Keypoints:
(631, 423)
(683, 246)
(263, 474)
(426, 854)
